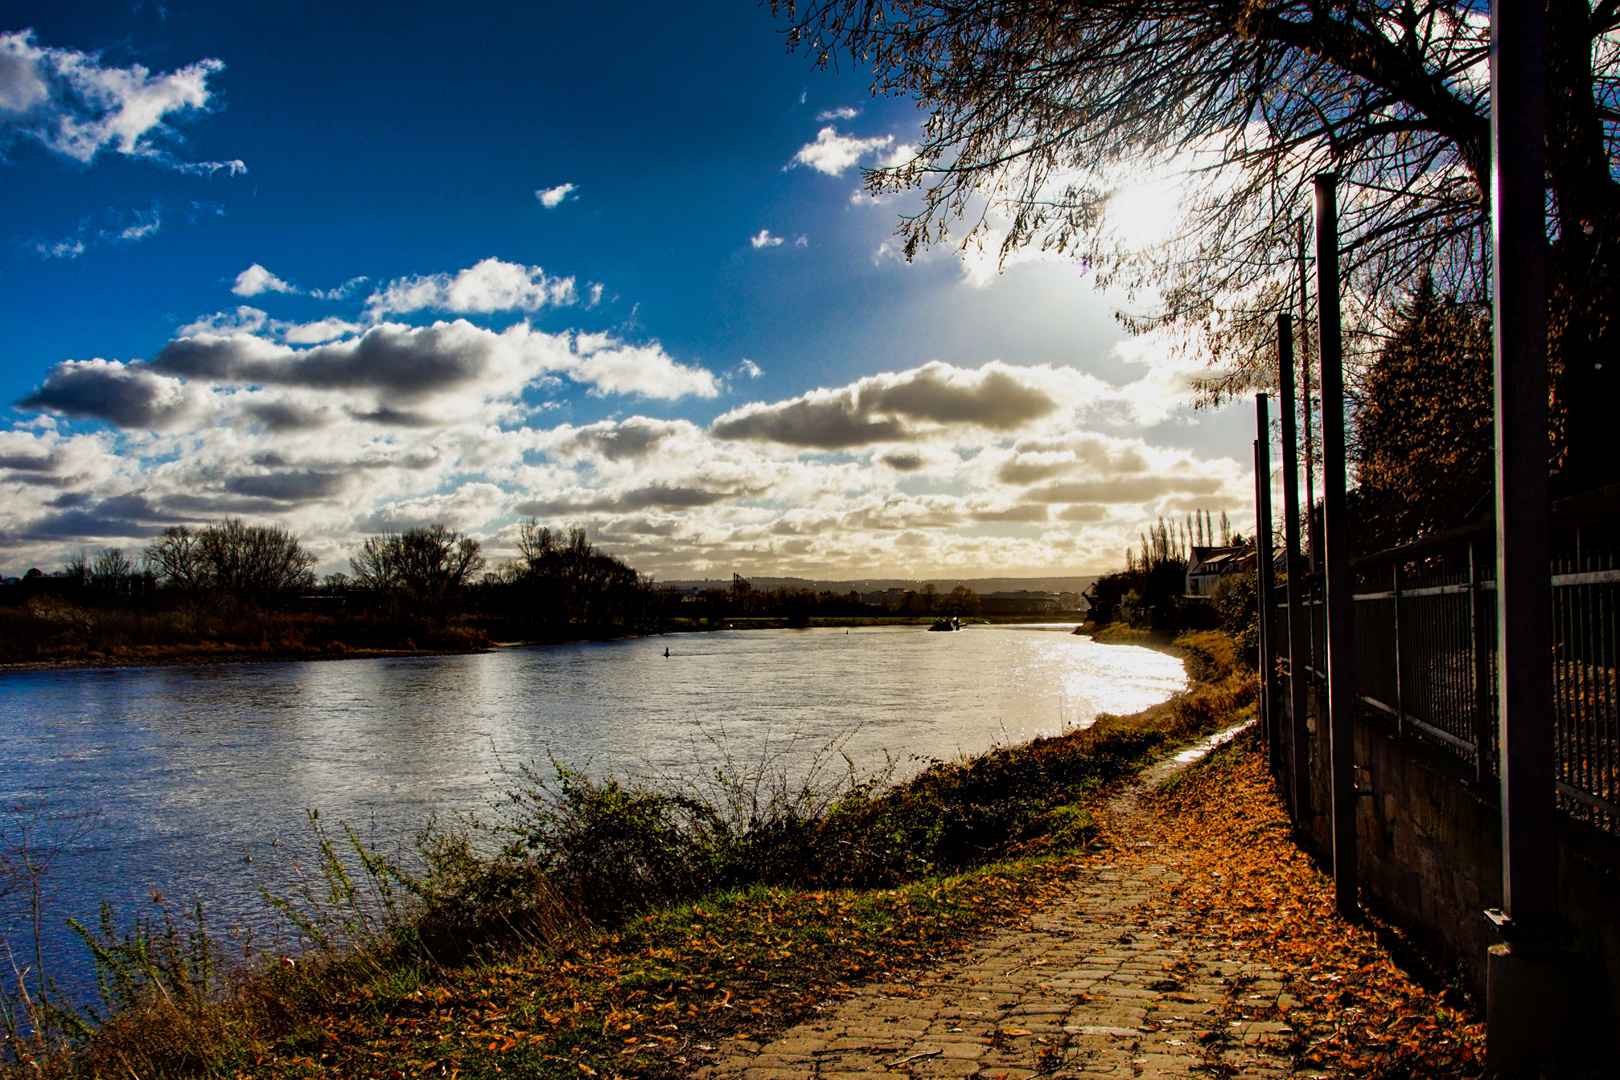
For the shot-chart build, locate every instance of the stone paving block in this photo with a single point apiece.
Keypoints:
(943, 1067)
(800, 1045)
(962, 1051)
(802, 1062)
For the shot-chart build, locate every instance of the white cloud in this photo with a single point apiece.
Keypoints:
(244, 320)
(233, 167)
(843, 112)
(45, 459)
(430, 374)
(70, 248)
(613, 367)
(342, 292)
(750, 369)
(490, 286)
(833, 154)
(1166, 385)
(764, 239)
(146, 223)
(120, 229)
(73, 105)
(256, 280)
(551, 198)
(313, 333)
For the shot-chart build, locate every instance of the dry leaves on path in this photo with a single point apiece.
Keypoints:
(1247, 886)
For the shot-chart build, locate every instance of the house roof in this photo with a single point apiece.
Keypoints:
(1214, 560)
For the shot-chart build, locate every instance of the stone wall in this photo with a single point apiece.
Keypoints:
(1429, 853)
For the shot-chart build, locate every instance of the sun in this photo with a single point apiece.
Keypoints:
(1142, 213)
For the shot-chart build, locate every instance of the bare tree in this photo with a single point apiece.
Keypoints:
(78, 567)
(253, 562)
(425, 568)
(175, 559)
(1040, 111)
(109, 567)
(231, 559)
(568, 579)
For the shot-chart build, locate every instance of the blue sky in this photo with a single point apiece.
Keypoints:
(593, 264)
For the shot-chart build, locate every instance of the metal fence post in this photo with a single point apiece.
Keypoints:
(1523, 551)
(1299, 648)
(1340, 624)
(1263, 577)
(1537, 990)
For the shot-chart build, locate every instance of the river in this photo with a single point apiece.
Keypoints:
(195, 781)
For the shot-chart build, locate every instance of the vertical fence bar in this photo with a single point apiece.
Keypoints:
(1340, 629)
(1263, 574)
(1484, 692)
(1400, 695)
(1299, 740)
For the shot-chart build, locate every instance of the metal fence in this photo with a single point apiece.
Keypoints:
(1425, 648)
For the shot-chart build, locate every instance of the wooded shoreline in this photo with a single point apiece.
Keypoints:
(192, 656)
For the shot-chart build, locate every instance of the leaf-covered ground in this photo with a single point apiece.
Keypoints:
(1353, 1011)
(657, 996)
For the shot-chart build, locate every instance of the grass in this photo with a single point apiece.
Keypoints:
(612, 928)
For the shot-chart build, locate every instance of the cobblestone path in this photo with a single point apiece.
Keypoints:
(1086, 988)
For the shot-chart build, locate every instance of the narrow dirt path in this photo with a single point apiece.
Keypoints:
(1087, 988)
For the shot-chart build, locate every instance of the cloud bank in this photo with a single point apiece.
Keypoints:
(366, 420)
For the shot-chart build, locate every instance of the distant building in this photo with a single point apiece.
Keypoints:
(1022, 602)
(1209, 564)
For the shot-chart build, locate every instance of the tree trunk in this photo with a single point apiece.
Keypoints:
(1585, 260)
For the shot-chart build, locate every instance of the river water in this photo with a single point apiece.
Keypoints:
(195, 781)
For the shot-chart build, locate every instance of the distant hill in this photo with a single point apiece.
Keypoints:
(982, 586)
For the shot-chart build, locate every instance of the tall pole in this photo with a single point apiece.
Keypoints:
(1523, 589)
(1299, 647)
(1271, 717)
(1340, 643)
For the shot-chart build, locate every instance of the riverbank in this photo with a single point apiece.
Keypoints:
(694, 907)
(192, 654)
(1114, 633)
